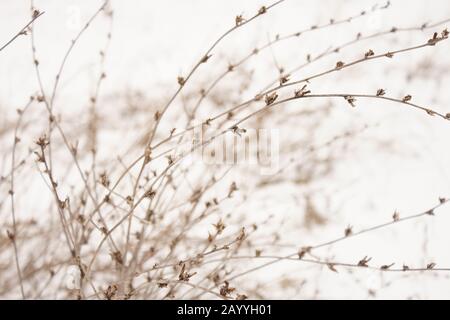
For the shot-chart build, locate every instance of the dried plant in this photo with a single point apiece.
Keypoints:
(144, 221)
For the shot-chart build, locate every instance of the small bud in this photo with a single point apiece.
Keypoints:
(339, 65)
(205, 58)
(11, 235)
(431, 266)
(386, 267)
(270, 98)
(181, 81)
(351, 100)
(407, 98)
(369, 54)
(363, 262)
(238, 20)
(348, 231)
(396, 216)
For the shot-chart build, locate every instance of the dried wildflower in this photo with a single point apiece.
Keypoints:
(258, 253)
(369, 54)
(363, 262)
(430, 112)
(442, 200)
(405, 267)
(238, 20)
(430, 212)
(339, 65)
(162, 284)
(386, 267)
(389, 55)
(381, 92)
(225, 290)
(270, 98)
(262, 10)
(348, 231)
(301, 92)
(351, 100)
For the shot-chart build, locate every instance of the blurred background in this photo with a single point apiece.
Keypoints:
(383, 157)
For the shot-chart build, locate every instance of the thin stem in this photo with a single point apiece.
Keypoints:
(23, 30)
